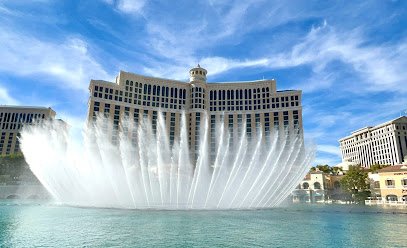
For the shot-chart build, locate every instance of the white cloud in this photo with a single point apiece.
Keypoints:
(329, 149)
(6, 98)
(127, 6)
(130, 6)
(67, 64)
(376, 67)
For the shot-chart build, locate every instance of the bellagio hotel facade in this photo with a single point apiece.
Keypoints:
(256, 104)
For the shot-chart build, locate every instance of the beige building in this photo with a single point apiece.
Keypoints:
(319, 187)
(12, 119)
(257, 103)
(382, 144)
(391, 182)
(312, 188)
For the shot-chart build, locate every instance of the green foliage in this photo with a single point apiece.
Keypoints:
(355, 181)
(326, 169)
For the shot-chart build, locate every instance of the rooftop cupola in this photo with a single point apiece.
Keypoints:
(197, 74)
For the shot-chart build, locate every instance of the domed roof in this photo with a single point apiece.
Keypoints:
(197, 74)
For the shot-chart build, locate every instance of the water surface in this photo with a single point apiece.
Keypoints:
(46, 225)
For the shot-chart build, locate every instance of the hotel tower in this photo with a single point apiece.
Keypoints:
(257, 105)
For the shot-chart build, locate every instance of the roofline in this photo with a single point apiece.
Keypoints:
(371, 128)
(209, 83)
(26, 107)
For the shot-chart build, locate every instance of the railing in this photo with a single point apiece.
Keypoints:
(384, 202)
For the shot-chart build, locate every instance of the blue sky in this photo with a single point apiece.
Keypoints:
(348, 57)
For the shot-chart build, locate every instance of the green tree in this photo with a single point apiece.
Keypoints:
(355, 182)
(325, 168)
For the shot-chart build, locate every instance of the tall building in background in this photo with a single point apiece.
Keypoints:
(255, 104)
(12, 119)
(382, 144)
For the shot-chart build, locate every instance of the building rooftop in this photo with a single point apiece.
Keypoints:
(23, 107)
(371, 128)
(394, 168)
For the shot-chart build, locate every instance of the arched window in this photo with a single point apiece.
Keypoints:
(305, 186)
(158, 90)
(214, 95)
(317, 185)
(211, 95)
(166, 91)
(391, 198)
(184, 94)
(154, 90)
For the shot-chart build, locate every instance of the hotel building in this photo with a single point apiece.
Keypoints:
(12, 119)
(256, 104)
(382, 144)
(389, 185)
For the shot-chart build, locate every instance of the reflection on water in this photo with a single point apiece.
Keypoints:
(25, 225)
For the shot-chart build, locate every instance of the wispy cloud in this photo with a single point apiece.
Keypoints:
(376, 67)
(69, 61)
(329, 149)
(6, 98)
(127, 6)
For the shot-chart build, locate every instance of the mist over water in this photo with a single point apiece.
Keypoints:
(142, 167)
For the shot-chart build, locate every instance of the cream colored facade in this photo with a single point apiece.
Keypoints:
(312, 189)
(12, 119)
(391, 182)
(256, 103)
(382, 144)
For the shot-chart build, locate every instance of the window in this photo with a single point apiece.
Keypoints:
(305, 186)
(404, 182)
(391, 198)
(317, 185)
(390, 183)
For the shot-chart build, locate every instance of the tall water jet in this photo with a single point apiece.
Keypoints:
(139, 166)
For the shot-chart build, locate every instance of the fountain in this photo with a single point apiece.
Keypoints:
(139, 168)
